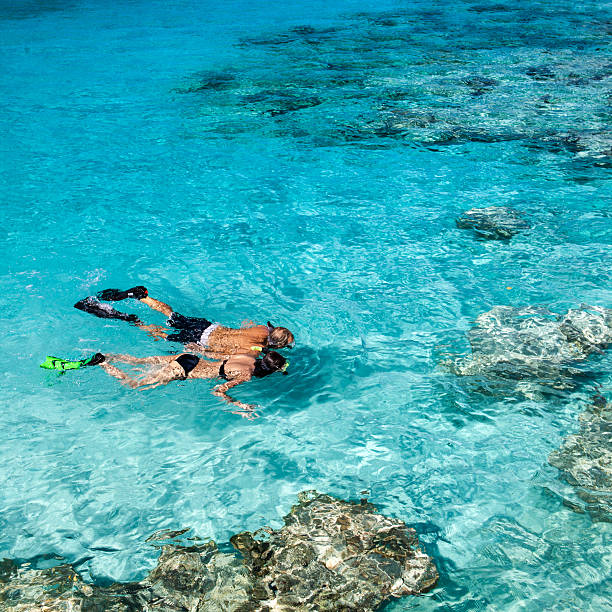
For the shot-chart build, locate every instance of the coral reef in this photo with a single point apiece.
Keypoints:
(348, 74)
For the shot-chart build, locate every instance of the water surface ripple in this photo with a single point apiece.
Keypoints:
(303, 164)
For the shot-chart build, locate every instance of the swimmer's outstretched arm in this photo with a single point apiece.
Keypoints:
(221, 391)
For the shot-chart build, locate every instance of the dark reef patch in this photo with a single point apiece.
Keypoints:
(540, 73)
(279, 102)
(480, 84)
(211, 81)
(28, 9)
(300, 34)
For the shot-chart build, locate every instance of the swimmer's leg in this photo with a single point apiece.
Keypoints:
(171, 371)
(94, 306)
(162, 307)
(142, 294)
(138, 293)
(155, 360)
(156, 331)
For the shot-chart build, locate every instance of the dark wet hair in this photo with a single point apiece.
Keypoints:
(271, 362)
(279, 337)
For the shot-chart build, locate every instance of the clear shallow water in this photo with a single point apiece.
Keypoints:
(243, 169)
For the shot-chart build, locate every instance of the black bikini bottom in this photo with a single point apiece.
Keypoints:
(188, 362)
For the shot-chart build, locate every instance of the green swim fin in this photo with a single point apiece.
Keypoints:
(57, 363)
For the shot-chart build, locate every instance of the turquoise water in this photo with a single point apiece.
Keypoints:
(304, 164)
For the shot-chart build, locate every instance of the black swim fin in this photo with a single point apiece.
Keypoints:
(104, 311)
(115, 295)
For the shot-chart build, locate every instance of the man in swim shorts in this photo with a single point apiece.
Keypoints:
(197, 334)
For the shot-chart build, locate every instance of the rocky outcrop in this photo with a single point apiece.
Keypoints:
(493, 222)
(585, 462)
(333, 555)
(23, 589)
(196, 578)
(535, 343)
(330, 555)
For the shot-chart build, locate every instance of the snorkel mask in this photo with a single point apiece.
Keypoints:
(263, 369)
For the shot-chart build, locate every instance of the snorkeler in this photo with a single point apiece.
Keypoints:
(163, 369)
(198, 334)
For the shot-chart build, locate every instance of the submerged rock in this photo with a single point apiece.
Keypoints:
(585, 462)
(330, 555)
(201, 578)
(23, 588)
(591, 148)
(493, 222)
(535, 343)
(336, 555)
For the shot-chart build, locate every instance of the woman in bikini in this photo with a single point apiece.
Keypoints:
(163, 369)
